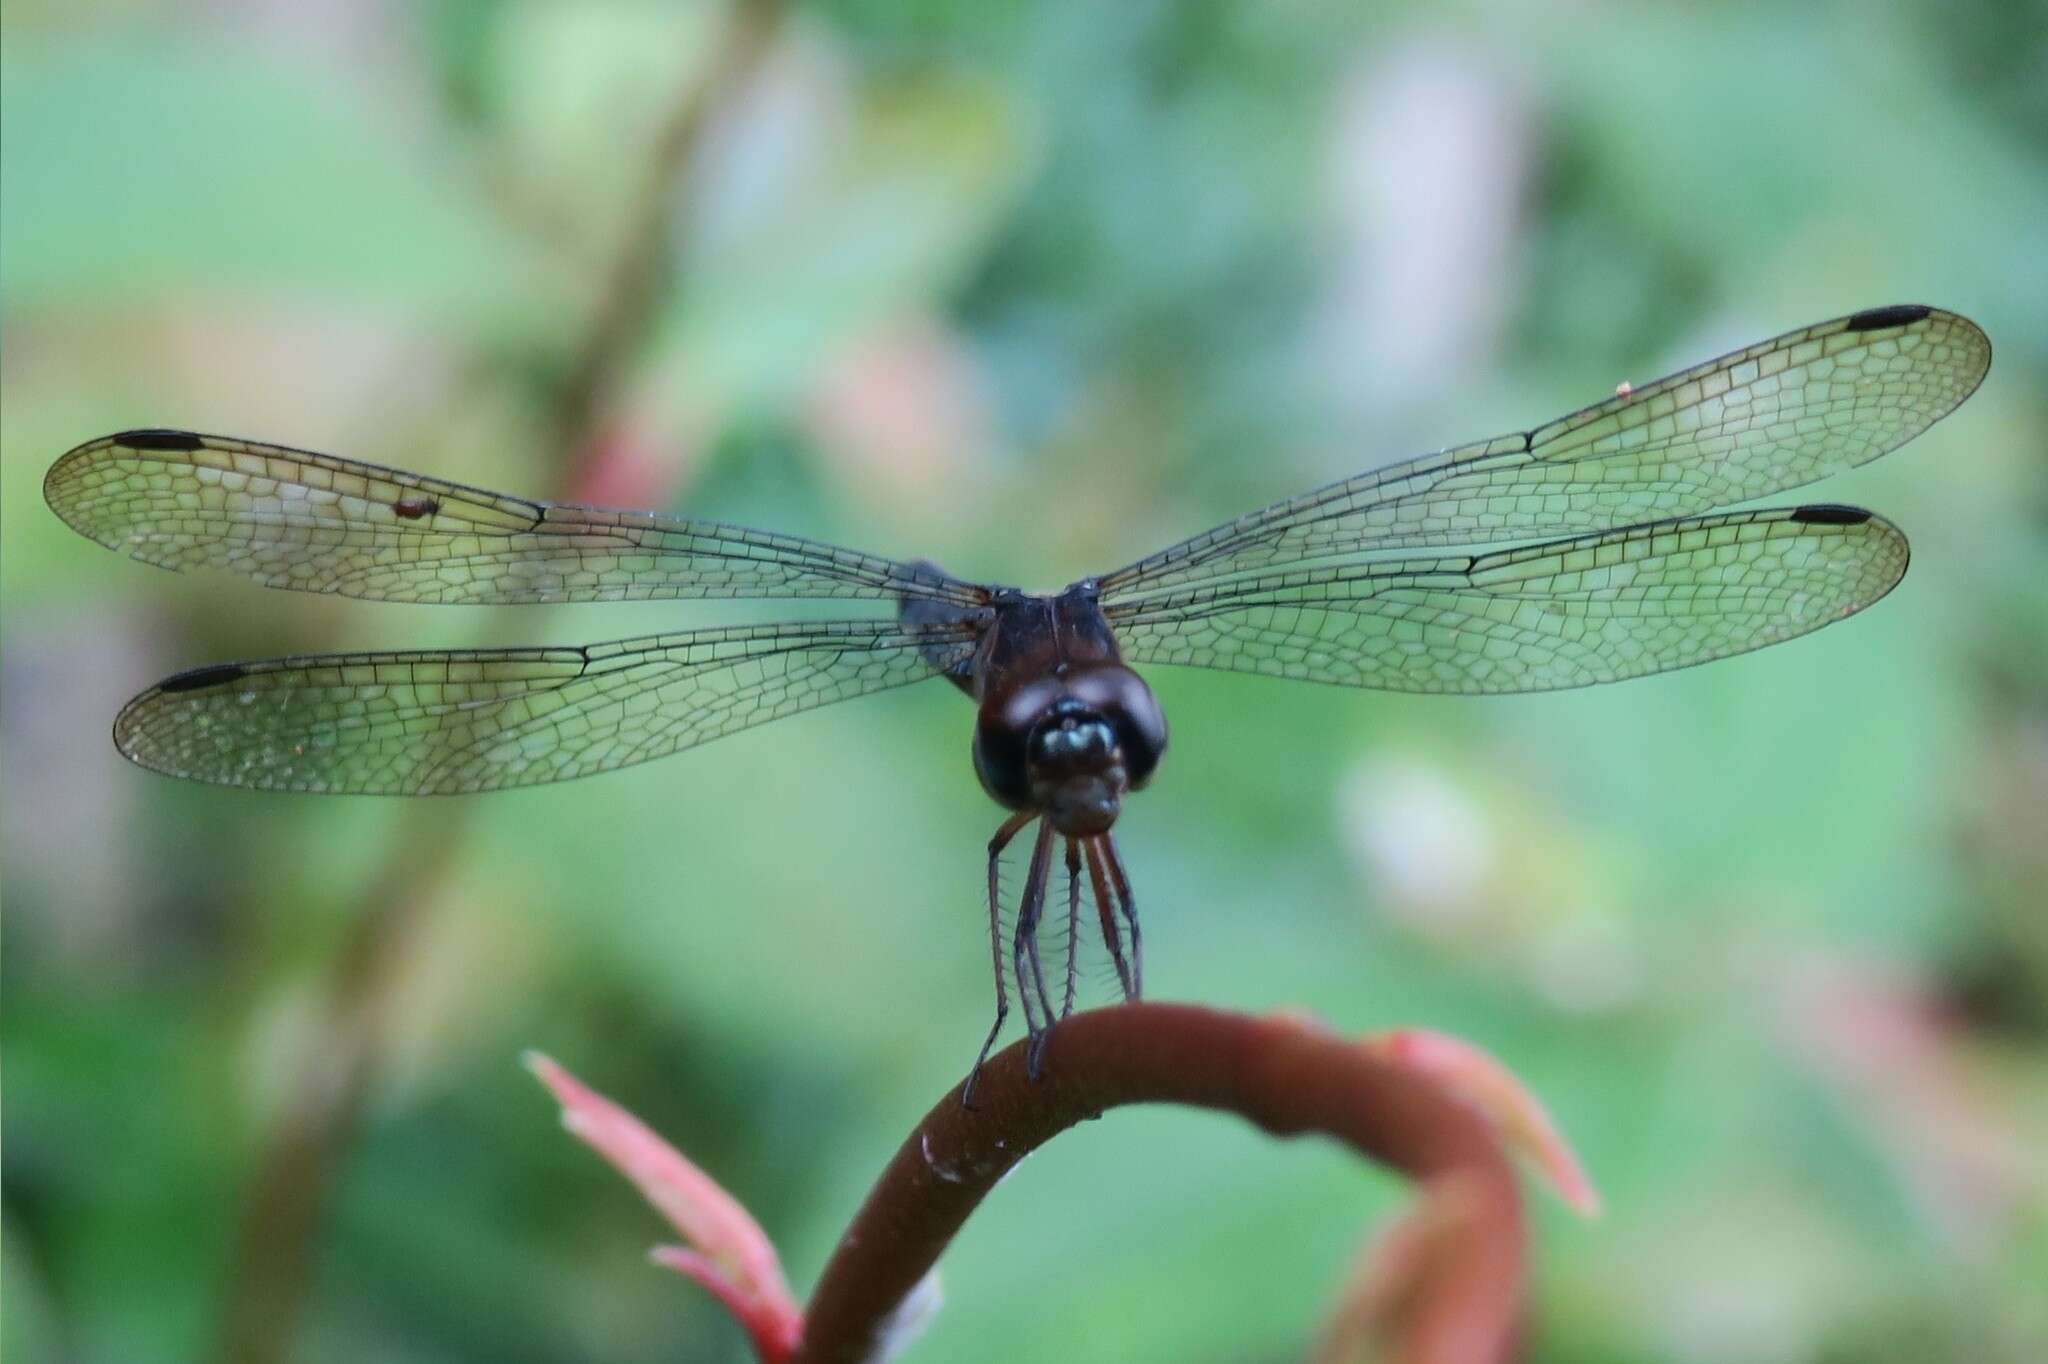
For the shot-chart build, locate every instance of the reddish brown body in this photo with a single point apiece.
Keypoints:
(1063, 730)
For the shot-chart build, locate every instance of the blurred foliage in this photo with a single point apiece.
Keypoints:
(1032, 288)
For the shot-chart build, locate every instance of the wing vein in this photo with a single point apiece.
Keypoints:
(433, 722)
(1774, 416)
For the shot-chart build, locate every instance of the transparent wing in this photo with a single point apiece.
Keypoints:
(1595, 608)
(1777, 415)
(316, 523)
(442, 722)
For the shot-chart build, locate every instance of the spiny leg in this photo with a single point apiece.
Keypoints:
(1020, 966)
(1105, 907)
(1073, 922)
(995, 940)
(1024, 950)
(1130, 908)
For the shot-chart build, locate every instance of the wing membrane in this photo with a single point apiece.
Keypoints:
(445, 722)
(317, 523)
(1777, 415)
(1568, 613)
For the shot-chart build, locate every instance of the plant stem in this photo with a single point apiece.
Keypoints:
(1286, 1074)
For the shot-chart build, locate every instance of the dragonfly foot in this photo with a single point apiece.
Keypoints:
(1034, 1054)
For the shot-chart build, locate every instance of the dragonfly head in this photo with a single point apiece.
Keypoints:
(1071, 746)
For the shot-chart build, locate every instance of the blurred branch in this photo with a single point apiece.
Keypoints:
(1443, 1286)
(271, 1258)
(632, 292)
(1460, 1299)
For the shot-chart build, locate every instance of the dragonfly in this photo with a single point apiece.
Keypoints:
(1593, 548)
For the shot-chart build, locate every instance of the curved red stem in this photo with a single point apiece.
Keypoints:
(1285, 1073)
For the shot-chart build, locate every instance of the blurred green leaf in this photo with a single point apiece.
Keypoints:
(199, 170)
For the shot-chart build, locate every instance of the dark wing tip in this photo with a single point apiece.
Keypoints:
(157, 438)
(60, 488)
(1892, 315)
(200, 679)
(1829, 514)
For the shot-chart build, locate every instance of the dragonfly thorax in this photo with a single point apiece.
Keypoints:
(1071, 745)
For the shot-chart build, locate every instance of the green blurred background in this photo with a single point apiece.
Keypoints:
(1030, 288)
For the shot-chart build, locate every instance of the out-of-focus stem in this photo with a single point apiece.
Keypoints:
(1286, 1074)
(629, 299)
(264, 1288)
(270, 1261)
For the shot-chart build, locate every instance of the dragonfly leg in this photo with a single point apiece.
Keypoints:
(995, 942)
(1073, 921)
(1129, 905)
(1105, 907)
(1024, 951)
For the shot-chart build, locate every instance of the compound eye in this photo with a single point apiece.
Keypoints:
(999, 762)
(1142, 729)
(1003, 742)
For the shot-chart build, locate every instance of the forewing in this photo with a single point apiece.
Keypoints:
(445, 722)
(317, 523)
(1568, 613)
(1777, 415)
